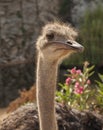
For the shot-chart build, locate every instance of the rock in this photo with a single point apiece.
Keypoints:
(20, 24)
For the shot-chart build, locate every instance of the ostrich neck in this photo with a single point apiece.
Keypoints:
(46, 82)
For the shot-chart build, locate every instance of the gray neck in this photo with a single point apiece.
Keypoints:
(46, 82)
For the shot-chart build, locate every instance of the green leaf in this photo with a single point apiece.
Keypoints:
(61, 85)
(90, 74)
(101, 92)
(91, 68)
(101, 76)
(99, 84)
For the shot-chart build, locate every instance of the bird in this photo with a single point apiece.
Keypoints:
(56, 42)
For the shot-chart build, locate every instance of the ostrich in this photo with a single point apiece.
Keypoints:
(56, 42)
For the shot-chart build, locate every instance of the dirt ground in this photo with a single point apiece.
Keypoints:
(3, 113)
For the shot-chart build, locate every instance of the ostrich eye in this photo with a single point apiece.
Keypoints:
(50, 36)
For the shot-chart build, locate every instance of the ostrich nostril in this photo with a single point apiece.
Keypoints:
(70, 43)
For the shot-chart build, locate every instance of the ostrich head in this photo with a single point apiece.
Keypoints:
(57, 41)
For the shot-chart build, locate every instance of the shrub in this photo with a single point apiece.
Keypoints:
(99, 95)
(76, 90)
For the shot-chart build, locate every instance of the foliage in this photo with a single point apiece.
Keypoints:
(100, 92)
(76, 90)
(91, 35)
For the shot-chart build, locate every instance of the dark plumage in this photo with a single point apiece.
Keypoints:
(26, 117)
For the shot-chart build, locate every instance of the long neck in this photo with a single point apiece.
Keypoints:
(46, 82)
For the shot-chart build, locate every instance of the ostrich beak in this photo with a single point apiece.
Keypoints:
(74, 45)
(68, 45)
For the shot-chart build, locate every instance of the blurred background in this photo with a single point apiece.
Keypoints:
(20, 25)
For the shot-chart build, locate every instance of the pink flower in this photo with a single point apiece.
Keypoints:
(88, 82)
(79, 90)
(78, 71)
(76, 91)
(68, 81)
(77, 85)
(73, 71)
